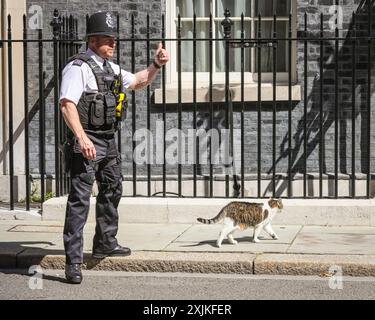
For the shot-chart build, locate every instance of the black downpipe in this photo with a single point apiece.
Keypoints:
(148, 95)
(211, 104)
(196, 153)
(26, 111)
(179, 100)
(10, 93)
(42, 122)
(305, 112)
(56, 24)
(290, 107)
(133, 108)
(354, 76)
(164, 108)
(321, 132)
(259, 130)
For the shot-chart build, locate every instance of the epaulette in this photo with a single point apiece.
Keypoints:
(78, 62)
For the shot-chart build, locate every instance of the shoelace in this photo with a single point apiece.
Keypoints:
(76, 267)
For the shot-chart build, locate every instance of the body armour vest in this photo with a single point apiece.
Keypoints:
(97, 111)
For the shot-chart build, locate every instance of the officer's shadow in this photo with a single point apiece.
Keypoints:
(23, 257)
(35, 274)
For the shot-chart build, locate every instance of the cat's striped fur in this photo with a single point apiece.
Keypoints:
(241, 215)
(244, 213)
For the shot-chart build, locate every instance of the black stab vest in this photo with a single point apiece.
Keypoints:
(97, 110)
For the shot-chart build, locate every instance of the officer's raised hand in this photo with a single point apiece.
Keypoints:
(161, 55)
(145, 77)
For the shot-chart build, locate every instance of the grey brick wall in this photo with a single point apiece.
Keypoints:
(344, 61)
(313, 8)
(79, 9)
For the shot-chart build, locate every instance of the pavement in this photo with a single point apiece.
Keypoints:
(190, 247)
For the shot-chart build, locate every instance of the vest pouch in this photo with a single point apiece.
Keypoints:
(68, 151)
(110, 114)
(97, 111)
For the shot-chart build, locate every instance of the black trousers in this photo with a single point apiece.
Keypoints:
(106, 170)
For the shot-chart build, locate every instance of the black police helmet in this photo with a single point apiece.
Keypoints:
(102, 24)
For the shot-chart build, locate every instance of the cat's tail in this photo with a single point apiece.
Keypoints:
(216, 219)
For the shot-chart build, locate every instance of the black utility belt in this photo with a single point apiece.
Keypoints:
(103, 134)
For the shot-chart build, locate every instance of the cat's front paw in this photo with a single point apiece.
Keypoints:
(255, 240)
(233, 241)
(218, 244)
(275, 237)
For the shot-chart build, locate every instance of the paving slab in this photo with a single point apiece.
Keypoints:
(27, 239)
(192, 248)
(32, 215)
(32, 222)
(5, 227)
(136, 236)
(334, 240)
(244, 246)
(202, 232)
(13, 243)
(202, 237)
(149, 236)
(338, 229)
(36, 228)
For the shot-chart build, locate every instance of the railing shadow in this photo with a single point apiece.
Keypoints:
(312, 118)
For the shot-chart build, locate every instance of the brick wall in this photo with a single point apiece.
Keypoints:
(313, 8)
(80, 9)
(344, 62)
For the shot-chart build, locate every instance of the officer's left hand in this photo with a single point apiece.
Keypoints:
(161, 55)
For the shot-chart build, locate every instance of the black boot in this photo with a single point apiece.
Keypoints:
(73, 273)
(118, 251)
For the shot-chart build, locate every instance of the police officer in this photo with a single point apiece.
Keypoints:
(90, 101)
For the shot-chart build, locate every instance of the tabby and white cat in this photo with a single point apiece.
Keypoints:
(241, 215)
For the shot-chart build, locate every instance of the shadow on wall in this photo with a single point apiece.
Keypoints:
(314, 118)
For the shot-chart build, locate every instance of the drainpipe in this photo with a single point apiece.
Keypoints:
(4, 82)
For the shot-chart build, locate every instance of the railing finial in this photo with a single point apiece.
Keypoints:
(227, 24)
(56, 23)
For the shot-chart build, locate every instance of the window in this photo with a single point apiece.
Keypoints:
(250, 9)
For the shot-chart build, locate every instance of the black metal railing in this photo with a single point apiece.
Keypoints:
(280, 165)
(64, 45)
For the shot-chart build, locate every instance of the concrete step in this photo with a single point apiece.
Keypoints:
(321, 212)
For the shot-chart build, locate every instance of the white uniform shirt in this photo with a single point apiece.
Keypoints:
(79, 79)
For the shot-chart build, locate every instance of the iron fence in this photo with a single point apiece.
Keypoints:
(349, 60)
